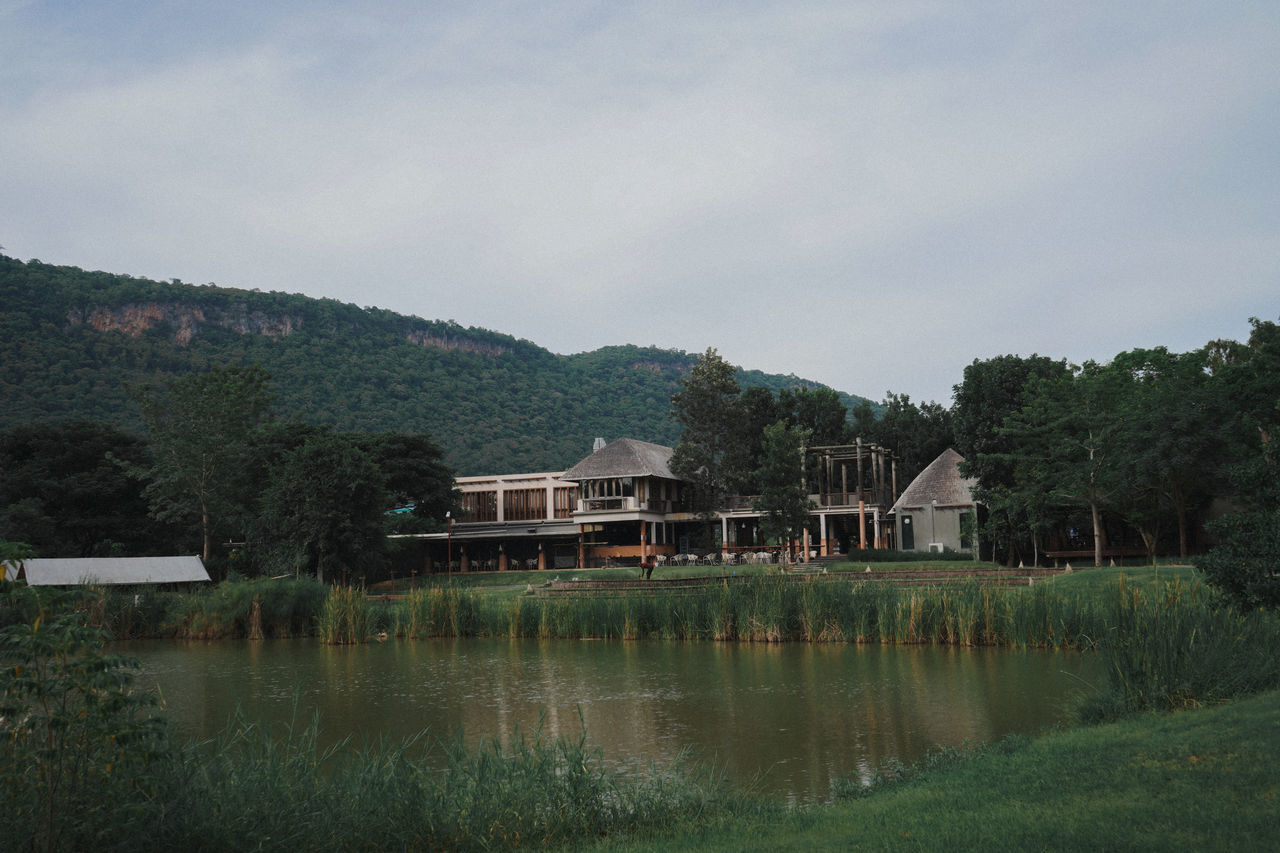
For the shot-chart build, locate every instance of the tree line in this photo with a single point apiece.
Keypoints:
(218, 474)
(1149, 446)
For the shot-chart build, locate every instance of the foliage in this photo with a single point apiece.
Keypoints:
(705, 407)
(201, 429)
(279, 790)
(1173, 440)
(993, 390)
(1067, 447)
(66, 493)
(1245, 563)
(784, 498)
(1176, 649)
(12, 557)
(346, 617)
(78, 746)
(325, 507)
(916, 434)
(415, 473)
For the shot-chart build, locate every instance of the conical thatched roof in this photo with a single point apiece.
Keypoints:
(940, 482)
(624, 457)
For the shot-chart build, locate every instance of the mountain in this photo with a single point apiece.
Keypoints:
(72, 341)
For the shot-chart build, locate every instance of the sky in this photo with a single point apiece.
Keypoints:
(870, 195)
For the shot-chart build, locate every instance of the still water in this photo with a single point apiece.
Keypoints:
(795, 717)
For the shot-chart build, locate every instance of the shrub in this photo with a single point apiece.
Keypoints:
(78, 746)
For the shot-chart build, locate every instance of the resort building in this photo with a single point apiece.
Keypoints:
(622, 504)
(931, 514)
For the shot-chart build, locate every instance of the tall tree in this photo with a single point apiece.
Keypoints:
(1245, 562)
(325, 507)
(784, 497)
(1066, 442)
(201, 429)
(817, 410)
(756, 409)
(1175, 439)
(916, 434)
(65, 491)
(416, 476)
(992, 390)
(706, 407)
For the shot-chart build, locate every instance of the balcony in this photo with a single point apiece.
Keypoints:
(628, 504)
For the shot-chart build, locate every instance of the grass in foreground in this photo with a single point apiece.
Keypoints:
(1205, 780)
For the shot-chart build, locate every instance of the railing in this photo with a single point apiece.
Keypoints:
(622, 504)
(606, 504)
(746, 503)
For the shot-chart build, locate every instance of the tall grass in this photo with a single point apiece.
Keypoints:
(1178, 647)
(768, 609)
(267, 607)
(346, 617)
(255, 789)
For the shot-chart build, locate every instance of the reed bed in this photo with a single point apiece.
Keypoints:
(769, 609)
(266, 607)
(346, 617)
(1180, 647)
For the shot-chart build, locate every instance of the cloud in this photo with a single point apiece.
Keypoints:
(866, 194)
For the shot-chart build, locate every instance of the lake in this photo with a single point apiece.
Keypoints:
(794, 716)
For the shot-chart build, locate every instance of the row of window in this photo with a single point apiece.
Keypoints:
(518, 504)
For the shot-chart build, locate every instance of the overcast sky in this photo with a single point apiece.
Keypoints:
(870, 195)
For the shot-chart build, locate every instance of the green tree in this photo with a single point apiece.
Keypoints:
(784, 497)
(415, 474)
(1245, 562)
(756, 409)
(1175, 440)
(325, 508)
(817, 410)
(1066, 443)
(202, 429)
(706, 407)
(65, 490)
(916, 434)
(993, 390)
(13, 556)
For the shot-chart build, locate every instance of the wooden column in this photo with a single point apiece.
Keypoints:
(862, 523)
(860, 480)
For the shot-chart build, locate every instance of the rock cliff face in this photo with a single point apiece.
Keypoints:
(445, 342)
(657, 367)
(184, 320)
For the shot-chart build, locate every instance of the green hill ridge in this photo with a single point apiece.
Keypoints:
(72, 341)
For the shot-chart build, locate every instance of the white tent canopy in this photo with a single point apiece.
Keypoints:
(114, 570)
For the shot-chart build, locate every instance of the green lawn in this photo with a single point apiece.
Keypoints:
(1207, 779)
(1149, 578)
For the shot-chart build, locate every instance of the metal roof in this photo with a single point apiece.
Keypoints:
(940, 482)
(114, 570)
(624, 457)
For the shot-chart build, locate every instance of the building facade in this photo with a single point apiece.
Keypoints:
(622, 504)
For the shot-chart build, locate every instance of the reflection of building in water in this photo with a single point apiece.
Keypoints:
(622, 504)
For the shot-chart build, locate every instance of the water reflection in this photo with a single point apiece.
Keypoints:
(798, 716)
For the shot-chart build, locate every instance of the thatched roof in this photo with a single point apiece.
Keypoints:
(940, 482)
(624, 457)
(114, 570)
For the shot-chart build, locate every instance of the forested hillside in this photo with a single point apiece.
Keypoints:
(72, 342)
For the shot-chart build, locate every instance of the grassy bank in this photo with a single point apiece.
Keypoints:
(1198, 780)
